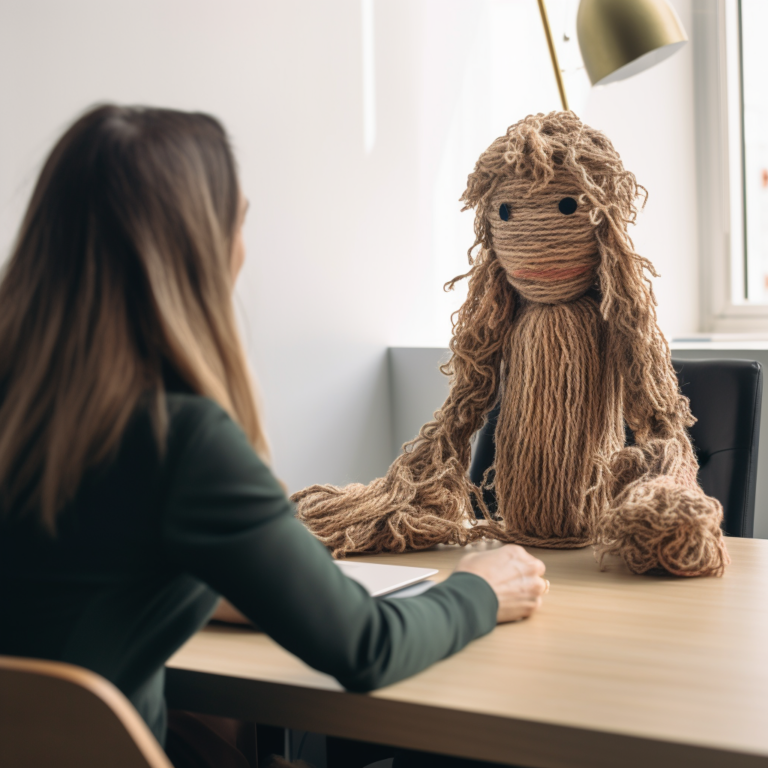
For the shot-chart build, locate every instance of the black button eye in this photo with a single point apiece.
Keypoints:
(567, 206)
(505, 211)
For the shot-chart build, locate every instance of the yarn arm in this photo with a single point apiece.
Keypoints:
(426, 496)
(658, 517)
(228, 522)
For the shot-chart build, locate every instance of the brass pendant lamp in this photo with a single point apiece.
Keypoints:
(620, 38)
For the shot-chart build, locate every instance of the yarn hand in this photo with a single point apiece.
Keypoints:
(515, 577)
(659, 524)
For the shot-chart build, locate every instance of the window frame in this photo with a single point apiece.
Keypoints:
(718, 113)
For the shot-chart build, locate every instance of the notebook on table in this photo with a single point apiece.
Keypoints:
(379, 579)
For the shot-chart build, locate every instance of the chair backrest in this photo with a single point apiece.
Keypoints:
(726, 400)
(54, 714)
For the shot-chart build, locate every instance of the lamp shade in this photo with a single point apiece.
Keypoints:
(619, 38)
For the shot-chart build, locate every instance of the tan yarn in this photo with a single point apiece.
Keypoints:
(559, 404)
(545, 261)
(568, 370)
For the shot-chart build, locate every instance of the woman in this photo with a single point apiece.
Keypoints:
(134, 479)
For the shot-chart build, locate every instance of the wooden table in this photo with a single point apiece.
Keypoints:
(614, 670)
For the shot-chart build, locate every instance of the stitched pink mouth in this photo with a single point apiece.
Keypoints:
(550, 275)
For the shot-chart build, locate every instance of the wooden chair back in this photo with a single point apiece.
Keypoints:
(54, 714)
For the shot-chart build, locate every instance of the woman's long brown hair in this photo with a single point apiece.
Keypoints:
(120, 273)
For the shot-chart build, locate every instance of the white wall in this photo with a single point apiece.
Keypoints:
(347, 249)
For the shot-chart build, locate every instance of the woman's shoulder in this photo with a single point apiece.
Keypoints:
(195, 420)
(186, 408)
(209, 457)
(201, 432)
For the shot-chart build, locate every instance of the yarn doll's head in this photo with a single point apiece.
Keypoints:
(553, 201)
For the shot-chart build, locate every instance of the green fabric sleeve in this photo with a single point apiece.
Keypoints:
(228, 523)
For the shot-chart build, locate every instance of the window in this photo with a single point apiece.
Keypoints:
(753, 18)
(731, 60)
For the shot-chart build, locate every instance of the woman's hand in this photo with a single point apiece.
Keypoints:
(515, 576)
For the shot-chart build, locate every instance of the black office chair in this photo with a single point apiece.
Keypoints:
(725, 397)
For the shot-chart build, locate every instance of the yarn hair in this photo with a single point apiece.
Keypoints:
(560, 326)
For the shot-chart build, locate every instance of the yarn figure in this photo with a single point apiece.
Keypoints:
(559, 325)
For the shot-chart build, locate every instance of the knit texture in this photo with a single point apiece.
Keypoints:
(552, 205)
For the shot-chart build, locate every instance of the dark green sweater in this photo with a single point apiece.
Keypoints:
(150, 542)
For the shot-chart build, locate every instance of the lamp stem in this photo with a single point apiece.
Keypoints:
(553, 55)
